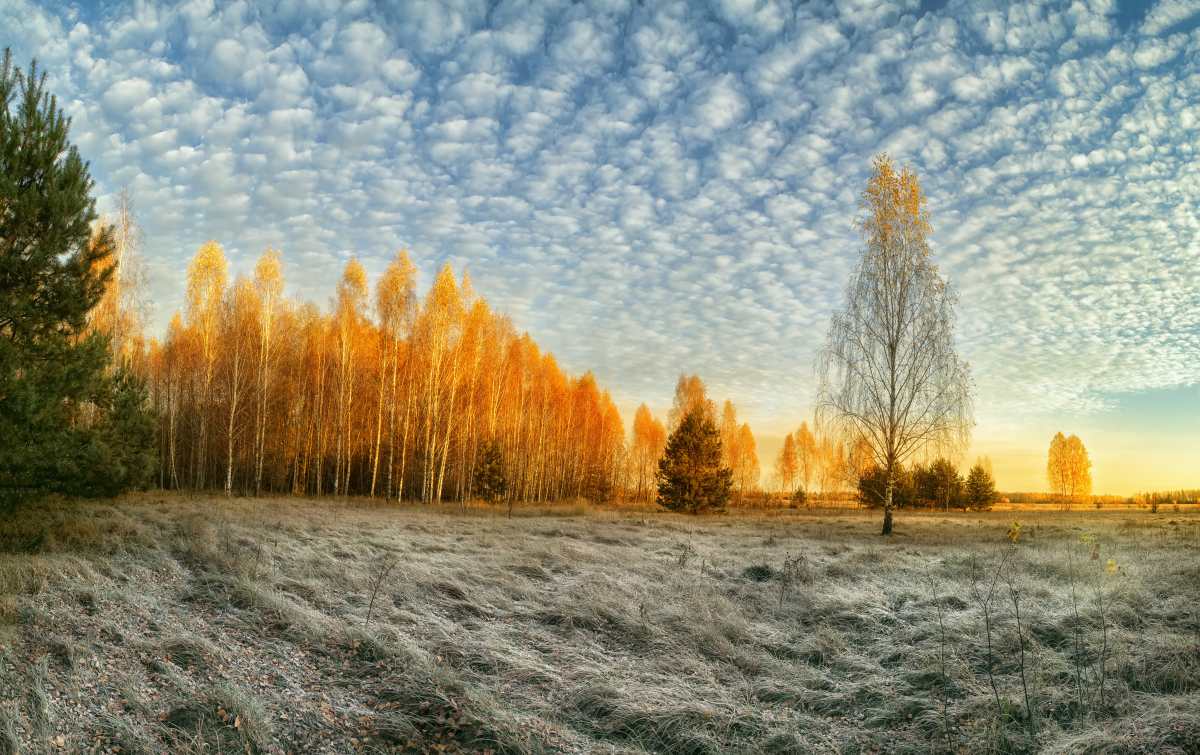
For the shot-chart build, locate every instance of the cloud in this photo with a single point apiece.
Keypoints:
(665, 187)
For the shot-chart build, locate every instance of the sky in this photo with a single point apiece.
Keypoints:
(656, 188)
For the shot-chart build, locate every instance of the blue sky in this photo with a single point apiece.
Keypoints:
(655, 188)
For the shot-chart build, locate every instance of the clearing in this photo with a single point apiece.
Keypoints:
(195, 624)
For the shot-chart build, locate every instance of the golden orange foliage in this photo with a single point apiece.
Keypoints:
(787, 466)
(389, 393)
(690, 392)
(122, 311)
(648, 445)
(1069, 470)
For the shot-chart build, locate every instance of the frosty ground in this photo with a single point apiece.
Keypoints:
(162, 622)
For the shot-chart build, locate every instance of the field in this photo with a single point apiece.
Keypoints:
(166, 623)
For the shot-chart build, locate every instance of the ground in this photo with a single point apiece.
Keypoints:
(162, 622)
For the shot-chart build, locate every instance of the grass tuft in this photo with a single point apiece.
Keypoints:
(759, 573)
(222, 718)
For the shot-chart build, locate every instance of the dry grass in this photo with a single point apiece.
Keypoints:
(200, 625)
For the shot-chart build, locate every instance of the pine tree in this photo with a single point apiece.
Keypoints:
(981, 486)
(690, 475)
(65, 427)
(490, 482)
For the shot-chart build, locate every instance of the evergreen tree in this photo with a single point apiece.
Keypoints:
(690, 476)
(872, 487)
(947, 484)
(65, 427)
(490, 481)
(981, 487)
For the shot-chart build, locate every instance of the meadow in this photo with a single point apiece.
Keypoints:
(162, 622)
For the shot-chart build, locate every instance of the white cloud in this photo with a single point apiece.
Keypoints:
(665, 187)
(1166, 14)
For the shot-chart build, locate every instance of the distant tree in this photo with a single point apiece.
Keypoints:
(207, 277)
(871, 487)
(649, 442)
(690, 392)
(787, 465)
(889, 370)
(396, 310)
(349, 304)
(981, 485)
(806, 456)
(269, 283)
(727, 426)
(858, 462)
(690, 475)
(947, 484)
(827, 467)
(123, 310)
(923, 485)
(237, 328)
(744, 463)
(65, 426)
(490, 481)
(1068, 470)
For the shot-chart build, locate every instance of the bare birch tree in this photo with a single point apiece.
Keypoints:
(125, 307)
(889, 371)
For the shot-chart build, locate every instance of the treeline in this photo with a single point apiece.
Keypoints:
(1027, 497)
(385, 394)
(936, 484)
(1167, 496)
(1157, 497)
(388, 393)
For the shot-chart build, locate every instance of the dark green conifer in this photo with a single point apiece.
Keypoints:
(690, 477)
(490, 481)
(65, 425)
(981, 487)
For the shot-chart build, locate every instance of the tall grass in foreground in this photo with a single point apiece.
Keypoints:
(218, 626)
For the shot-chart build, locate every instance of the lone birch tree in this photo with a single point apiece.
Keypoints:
(1069, 470)
(889, 371)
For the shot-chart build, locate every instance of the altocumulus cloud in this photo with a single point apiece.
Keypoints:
(657, 187)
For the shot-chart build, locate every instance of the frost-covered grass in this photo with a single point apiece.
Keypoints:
(165, 622)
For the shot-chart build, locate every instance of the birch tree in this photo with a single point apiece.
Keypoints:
(237, 337)
(1068, 470)
(122, 312)
(207, 276)
(439, 318)
(349, 305)
(649, 443)
(787, 466)
(746, 471)
(889, 370)
(690, 392)
(269, 283)
(730, 435)
(395, 309)
(806, 457)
